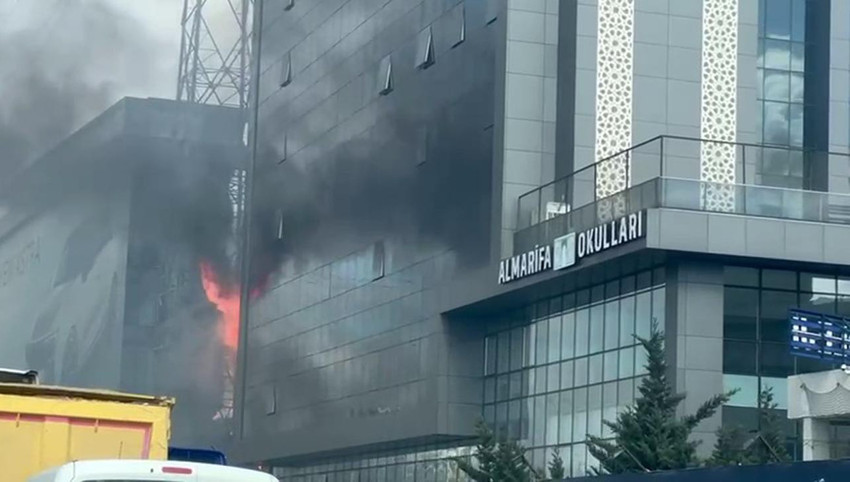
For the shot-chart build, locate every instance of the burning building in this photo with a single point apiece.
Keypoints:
(117, 254)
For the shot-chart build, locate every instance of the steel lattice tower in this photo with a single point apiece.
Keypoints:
(215, 52)
(215, 63)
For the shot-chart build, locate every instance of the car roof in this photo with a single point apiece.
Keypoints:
(119, 468)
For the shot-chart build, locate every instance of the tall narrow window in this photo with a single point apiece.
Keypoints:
(286, 70)
(385, 76)
(425, 49)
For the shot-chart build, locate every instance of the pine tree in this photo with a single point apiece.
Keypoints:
(556, 467)
(729, 448)
(497, 461)
(769, 445)
(648, 435)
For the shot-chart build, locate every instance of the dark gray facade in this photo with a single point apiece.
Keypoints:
(405, 148)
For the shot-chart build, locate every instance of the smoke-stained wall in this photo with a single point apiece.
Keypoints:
(374, 169)
(62, 290)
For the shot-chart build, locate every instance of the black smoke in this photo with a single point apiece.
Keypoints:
(61, 64)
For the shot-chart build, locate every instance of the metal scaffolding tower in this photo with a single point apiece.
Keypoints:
(215, 52)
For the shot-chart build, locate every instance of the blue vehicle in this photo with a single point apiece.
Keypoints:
(204, 456)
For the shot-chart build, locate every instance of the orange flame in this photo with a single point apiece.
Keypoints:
(226, 301)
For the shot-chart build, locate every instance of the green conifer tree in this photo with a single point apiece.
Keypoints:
(648, 436)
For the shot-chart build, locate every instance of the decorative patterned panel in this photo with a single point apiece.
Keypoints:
(614, 62)
(719, 99)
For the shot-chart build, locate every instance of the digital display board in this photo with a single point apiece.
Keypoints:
(820, 336)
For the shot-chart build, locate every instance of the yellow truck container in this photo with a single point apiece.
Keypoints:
(43, 426)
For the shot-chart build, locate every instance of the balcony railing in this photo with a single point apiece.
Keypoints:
(665, 172)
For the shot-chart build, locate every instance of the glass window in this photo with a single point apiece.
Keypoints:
(595, 369)
(740, 309)
(565, 417)
(582, 297)
(843, 305)
(554, 350)
(516, 384)
(541, 345)
(643, 315)
(501, 425)
(776, 360)
(597, 325)
(579, 456)
(796, 88)
(553, 377)
(659, 307)
(795, 134)
(503, 352)
(594, 410)
(567, 375)
(516, 348)
(747, 386)
(739, 357)
(582, 332)
(641, 361)
(777, 54)
(612, 289)
(581, 372)
(798, 20)
(552, 419)
(739, 276)
(777, 17)
(627, 363)
(627, 321)
(489, 390)
(609, 407)
(780, 390)
(817, 283)
(779, 279)
(490, 355)
(580, 414)
(611, 365)
(774, 314)
(539, 431)
(540, 379)
(843, 285)
(530, 345)
(503, 387)
(625, 392)
(776, 128)
(628, 284)
(798, 57)
(612, 324)
(514, 419)
(776, 85)
(597, 293)
(568, 336)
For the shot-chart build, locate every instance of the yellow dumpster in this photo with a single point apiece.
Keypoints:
(43, 426)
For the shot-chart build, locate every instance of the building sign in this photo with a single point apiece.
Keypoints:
(571, 248)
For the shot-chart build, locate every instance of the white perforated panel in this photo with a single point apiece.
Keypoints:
(719, 102)
(614, 63)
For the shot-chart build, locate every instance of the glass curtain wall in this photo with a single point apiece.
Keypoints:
(756, 354)
(569, 363)
(781, 87)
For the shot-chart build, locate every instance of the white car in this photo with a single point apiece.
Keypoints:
(148, 471)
